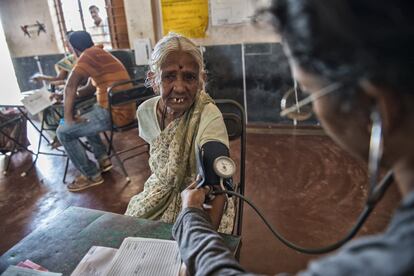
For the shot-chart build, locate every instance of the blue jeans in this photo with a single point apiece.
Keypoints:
(96, 121)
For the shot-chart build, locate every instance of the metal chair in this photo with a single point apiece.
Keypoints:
(235, 120)
(50, 119)
(11, 129)
(119, 95)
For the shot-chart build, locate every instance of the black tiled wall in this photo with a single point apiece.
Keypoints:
(268, 78)
(266, 71)
(224, 72)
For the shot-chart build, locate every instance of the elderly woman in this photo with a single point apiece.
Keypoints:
(354, 57)
(177, 124)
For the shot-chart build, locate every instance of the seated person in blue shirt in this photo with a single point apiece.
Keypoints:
(361, 51)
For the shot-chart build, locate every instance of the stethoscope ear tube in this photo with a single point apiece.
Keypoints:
(380, 189)
(377, 194)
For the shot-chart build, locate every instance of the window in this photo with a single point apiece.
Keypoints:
(103, 19)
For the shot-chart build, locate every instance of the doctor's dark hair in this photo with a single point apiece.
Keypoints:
(348, 40)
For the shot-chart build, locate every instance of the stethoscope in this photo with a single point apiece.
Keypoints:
(225, 168)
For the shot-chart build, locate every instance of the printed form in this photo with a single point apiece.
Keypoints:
(37, 101)
(95, 262)
(142, 256)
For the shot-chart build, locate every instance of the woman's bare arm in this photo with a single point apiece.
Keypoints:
(216, 212)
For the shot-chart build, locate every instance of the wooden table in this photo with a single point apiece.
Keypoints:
(61, 244)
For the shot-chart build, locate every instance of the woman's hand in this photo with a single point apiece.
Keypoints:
(57, 97)
(193, 197)
(37, 78)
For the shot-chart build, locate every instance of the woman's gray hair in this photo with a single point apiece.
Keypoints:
(170, 43)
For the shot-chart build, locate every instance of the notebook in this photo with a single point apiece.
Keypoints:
(136, 256)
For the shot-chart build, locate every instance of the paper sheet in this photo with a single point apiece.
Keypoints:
(95, 262)
(187, 17)
(140, 256)
(21, 271)
(224, 12)
(37, 101)
(142, 49)
(31, 265)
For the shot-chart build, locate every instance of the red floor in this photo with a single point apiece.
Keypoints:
(305, 185)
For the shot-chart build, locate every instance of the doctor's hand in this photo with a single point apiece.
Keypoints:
(193, 197)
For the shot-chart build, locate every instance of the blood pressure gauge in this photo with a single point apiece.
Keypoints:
(224, 167)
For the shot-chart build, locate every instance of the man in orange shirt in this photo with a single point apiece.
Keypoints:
(103, 70)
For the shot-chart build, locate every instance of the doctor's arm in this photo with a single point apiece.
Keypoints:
(202, 249)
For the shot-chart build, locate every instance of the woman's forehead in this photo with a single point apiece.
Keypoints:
(179, 60)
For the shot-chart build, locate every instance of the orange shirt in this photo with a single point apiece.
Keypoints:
(105, 69)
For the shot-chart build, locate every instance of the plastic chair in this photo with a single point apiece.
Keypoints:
(235, 120)
(135, 92)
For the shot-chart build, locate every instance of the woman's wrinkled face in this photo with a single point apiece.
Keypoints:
(180, 81)
(346, 122)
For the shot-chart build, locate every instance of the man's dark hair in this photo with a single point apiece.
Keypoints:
(93, 7)
(350, 39)
(80, 40)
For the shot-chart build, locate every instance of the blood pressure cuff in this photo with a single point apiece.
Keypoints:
(205, 160)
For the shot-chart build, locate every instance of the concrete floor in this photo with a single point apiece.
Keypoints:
(307, 187)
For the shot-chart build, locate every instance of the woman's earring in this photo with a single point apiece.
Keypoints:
(375, 152)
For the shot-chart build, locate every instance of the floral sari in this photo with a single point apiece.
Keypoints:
(173, 165)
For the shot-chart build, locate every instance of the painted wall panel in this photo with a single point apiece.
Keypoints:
(17, 13)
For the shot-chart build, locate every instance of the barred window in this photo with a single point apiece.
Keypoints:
(104, 19)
